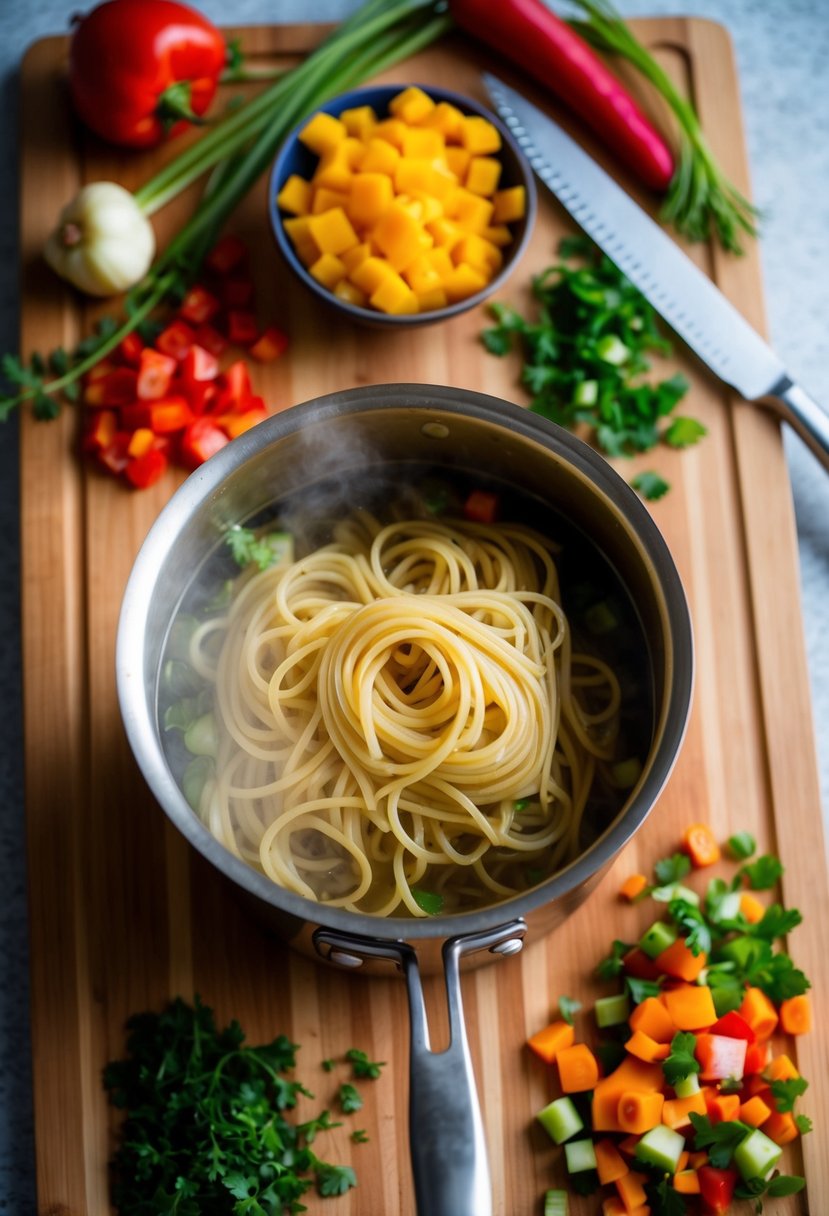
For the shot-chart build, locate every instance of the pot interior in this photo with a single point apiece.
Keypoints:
(363, 448)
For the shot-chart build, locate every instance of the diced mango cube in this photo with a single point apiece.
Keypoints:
(412, 105)
(441, 259)
(370, 273)
(432, 207)
(509, 204)
(359, 121)
(326, 200)
(295, 195)
(379, 157)
(430, 301)
(394, 296)
(479, 136)
(328, 270)
(299, 232)
(478, 252)
(445, 231)
(423, 142)
(371, 196)
(447, 119)
(498, 234)
(470, 210)
(332, 231)
(482, 175)
(463, 281)
(322, 133)
(458, 160)
(392, 131)
(349, 294)
(422, 275)
(352, 258)
(334, 170)
(397, 235)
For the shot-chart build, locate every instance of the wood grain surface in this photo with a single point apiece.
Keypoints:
(124, 915)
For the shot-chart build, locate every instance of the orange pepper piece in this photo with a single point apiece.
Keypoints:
(700, 843)
(633, 886)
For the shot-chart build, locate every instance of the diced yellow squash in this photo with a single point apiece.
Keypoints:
(371, 196)
(509, 204)
(483, 175)
(349, 294)
(464, 281)
(445, 231)
(422, 275)
(332, 231)
(394, 296)
(423, 142)
(359, 121)
(326, 200)
(499, 234)
(397, 235)
(352, 258)
(299, 233)
(328, 270)
(458, 160)
(370, 273)
(447, 119)
(295, 195)
(334, 170)
(379, 157)
(322, 133)
(412, 105)
(469, 210)
(392, 131)
(478, 252)
(479, 136)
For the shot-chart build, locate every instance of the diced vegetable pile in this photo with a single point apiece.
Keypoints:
(403, 213)
(168, 399)
(685, 1095)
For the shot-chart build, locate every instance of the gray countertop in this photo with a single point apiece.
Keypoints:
(782, 47)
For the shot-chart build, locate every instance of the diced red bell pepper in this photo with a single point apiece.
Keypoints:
(141, 441)
(100, 430)
(234, 389)
(757, 1057)
(270, 344)
(236, 424)
(481, 507)
(637, 964)
(242, 327)
(118, 388)
(199, 305)
(155, 371)
(228, 253)
(201, 440)
(99, 370)
(209, 337)
(130, 348)
(237, 292)
(733, 1026)
(169, 415)
(115, 455)
(716, 1188)
(145, 470)
(175, 340)
(199, 366)
(720, 1057)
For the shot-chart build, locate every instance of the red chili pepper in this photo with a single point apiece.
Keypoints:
(716, 1188)
(547, 48)
(142, 70)
(130, 348)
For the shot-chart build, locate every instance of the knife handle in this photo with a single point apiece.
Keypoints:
(803, 414)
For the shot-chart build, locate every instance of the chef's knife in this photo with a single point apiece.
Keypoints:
(678, 290)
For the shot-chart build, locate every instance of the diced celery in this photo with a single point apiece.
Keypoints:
(660, 1147)
(555, 1204)
(612, 1010)
(626, 773)
(560, 1119)
(756, 1155)
(687, 1087)
(658, 938)
(201, 737)
(675, 890)
(729, 906)
(580, 1155)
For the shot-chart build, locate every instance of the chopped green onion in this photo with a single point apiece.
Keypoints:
(555, 1203)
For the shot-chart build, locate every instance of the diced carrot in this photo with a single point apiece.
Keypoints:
(723, 1108)
(633, 886)
(676, 1113)
(686, 1182)
(632, 1074)
(751, 907)
(796, 1014)
(759, 1012)
(781, 1069)
(757, 1055)
(695, 1160)
(549, 1041)
(613, 1206)
(628, 1145)
(645, 1048)
(578, 1068)
(753, 1085)
(631, 1191)
(691, 1006)
(639, 1112)
(609, 1162)
(781, 1128)
(653, 1019)
(678, 961)
(682, 1161)
(700, 843)
(755, 1111)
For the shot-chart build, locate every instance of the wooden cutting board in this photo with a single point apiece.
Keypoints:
(124, 915)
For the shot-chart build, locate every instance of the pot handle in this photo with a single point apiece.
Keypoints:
(446, 1133)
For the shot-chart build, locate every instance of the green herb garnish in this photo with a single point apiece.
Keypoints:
(362, 1065)
(682, 1062)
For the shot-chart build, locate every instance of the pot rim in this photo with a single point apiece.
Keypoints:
(205, 483)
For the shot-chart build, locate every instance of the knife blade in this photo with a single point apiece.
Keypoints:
(686, 298)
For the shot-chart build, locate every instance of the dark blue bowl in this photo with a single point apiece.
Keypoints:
(294, 157)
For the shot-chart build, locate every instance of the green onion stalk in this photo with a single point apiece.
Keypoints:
(700, 201)
(232, 156)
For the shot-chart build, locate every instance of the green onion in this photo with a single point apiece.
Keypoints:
(555, 1203)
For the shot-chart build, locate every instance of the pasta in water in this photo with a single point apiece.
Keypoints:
(402, 725)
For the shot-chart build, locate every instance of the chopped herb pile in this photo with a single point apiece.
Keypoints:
(207, 1129)
(586, 354)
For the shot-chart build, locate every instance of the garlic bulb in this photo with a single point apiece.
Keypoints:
(104, 242)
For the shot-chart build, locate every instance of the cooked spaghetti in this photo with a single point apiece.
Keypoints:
(403, 726)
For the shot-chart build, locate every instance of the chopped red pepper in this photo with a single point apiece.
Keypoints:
(269, 345)
(234, 425)
(100, 430)
(145, 470)
(175, 340)
(199, 305)
(235, 390)
(734, 1027)
(199, 365)
(211, 340)
(117, 388)
(241, 327)
(155, 371)
(237, 292)
(228, 253)
(130, 348)
(716, 1188)
(201, 440)
(115, 455)
(481, 507)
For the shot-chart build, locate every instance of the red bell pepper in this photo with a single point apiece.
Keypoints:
(548, 49)
(481, 507)
(155, 371)
(199, 366)
(145, 470)
(716, 1188)
(175, 340)
(734, 1027)
(199, 305)
(130, 348)
(142, 70)
(208, 337)
(270, 344)
(228, 253)
(201, 440)
(241, 327)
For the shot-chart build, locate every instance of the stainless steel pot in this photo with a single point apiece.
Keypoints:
(349, 434)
